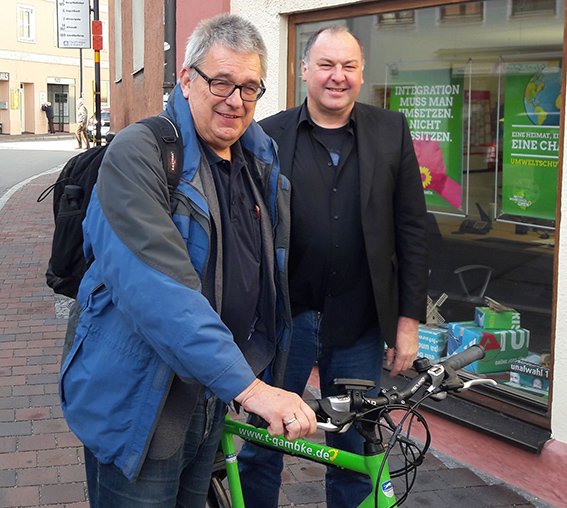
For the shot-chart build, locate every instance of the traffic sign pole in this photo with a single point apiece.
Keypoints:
(97, 47)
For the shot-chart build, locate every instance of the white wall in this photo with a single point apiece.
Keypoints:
(559, 403)
(270, 17)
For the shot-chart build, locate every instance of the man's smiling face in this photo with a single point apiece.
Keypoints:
(220, 121)
(333, 73)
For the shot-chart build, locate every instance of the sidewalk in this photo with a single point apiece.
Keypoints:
(10, 138)
(41, 462)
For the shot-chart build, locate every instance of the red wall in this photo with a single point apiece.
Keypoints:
(140, 95)
(189, 14)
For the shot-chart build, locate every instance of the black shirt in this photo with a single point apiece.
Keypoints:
(328, 265)
(241, 242)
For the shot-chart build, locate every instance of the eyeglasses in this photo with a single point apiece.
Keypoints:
(222, 88)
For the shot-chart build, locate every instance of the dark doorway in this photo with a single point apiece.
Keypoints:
(58, 95)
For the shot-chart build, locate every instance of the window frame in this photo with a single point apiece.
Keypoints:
(488, 397)
(29, 12)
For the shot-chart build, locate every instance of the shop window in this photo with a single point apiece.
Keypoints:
(26, 23)
(484, 117)
(396, 18)
(532, 7)
(462, 12)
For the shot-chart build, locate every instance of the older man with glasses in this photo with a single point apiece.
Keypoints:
(185, 306)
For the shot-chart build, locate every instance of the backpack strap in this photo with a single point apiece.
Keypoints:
(171, 147)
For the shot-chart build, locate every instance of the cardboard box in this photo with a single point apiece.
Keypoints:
(531, 375)
(488, 318)
(502, 347)
(432, 342)
(455, 334)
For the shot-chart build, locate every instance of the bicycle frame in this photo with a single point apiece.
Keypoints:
(368, 465)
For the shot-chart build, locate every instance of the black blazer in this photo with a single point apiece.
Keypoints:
(392, 208)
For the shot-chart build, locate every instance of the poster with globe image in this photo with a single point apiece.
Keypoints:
(531, 139)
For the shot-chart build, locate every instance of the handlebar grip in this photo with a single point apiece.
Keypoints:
(460, 360)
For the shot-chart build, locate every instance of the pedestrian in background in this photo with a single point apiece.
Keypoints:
(48, 109)
(180, 314)
(81, 134)
(358, 253)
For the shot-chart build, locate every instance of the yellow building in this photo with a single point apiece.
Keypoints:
(35, 67)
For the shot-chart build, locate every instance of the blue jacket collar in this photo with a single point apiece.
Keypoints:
(254, 139)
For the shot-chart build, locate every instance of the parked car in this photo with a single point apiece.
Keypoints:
(104, 124)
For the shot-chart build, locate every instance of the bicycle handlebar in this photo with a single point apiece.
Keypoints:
(468, 356)
(339, 411)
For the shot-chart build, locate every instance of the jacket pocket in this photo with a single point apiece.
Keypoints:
(80, 335)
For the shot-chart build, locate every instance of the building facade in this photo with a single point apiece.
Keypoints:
(34, 70)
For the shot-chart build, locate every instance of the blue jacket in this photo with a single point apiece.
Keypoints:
(143, 317)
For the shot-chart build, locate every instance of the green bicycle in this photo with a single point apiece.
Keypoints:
(388, 422)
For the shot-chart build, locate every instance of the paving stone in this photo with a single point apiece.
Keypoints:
(18, 460)
(306, 492)
(7, 478)
(19, 496)
(50, 426)
(39, 442)
(485, 496)
(37, 476)
(63, 493)
(29, 390)
(70, 474)
(7, 415)
(67, 440)
(57, 457)
(7, 444)
(33, 413)
(15, 429)
(13, 402)
(307, 471)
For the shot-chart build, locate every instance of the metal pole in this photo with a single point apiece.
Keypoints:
(97, 80)
(169, 46)
(80, 72)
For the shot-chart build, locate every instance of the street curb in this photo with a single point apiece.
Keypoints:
(8, 194)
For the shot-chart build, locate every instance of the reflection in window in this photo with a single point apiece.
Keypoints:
(396, 18)
(462, 12)
(527, 7)
(26, 24)
(463, 103)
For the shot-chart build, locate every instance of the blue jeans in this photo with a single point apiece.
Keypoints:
(260, 469)
(181, 481)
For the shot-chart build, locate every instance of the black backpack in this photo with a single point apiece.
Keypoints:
(71, 196)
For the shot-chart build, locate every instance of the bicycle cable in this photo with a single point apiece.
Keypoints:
(396, 431)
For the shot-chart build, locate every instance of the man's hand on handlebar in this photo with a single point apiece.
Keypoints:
(285, 412)
(401, 356)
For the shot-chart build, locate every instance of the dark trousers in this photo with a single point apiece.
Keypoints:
(180, 481)
(260, 468)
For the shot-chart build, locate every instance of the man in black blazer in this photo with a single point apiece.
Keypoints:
(358, 256)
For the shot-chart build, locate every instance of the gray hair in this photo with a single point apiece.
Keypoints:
(333, 29)
(230, 31)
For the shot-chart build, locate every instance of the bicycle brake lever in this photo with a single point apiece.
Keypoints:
(436, 374)
(465, 386)
(330, 427)
(473, 382)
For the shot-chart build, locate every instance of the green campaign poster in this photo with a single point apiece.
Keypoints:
(432, 101)
(531, 139)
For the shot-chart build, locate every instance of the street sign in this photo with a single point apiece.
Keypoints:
(73, 24)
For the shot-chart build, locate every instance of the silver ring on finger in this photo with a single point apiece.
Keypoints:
(290, 421)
